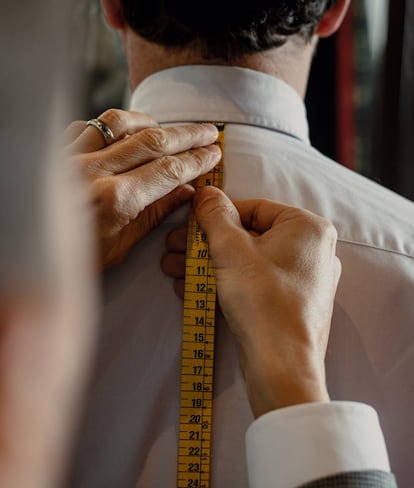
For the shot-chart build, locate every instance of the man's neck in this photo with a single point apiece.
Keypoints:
(290, 63)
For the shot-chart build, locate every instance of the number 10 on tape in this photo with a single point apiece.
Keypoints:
(197, 357)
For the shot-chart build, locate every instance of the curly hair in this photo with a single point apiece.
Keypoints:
(224, 29)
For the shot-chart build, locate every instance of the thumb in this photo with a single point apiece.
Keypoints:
(217, 215)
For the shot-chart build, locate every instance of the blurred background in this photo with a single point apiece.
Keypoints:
(360, 99)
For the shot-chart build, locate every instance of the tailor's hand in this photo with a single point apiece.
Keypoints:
(141, 177)
(277, 275)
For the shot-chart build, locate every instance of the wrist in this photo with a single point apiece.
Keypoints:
(272, 385)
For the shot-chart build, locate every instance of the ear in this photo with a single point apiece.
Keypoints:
(113, 13)
(333, 18)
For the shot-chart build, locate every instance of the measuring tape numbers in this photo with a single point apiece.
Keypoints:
(197, 356)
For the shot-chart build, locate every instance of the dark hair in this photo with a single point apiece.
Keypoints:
(224, 29)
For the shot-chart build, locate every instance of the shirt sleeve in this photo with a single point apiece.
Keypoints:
(292, 446)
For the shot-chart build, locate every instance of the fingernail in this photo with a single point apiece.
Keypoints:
(215, 150)
(211, 128)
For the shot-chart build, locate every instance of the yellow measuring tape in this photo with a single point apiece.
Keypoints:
(197, 356)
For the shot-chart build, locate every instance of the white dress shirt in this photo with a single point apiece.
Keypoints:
(294, 445)
(129, 437)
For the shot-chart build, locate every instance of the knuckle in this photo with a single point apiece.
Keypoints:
(108, 199)
(112, 116)
(200, 157)
(173, 168)
(328, 230)
(321, 228)
(200, 161)
(155, 139)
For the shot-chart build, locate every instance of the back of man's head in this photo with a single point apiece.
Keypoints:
(224, 29)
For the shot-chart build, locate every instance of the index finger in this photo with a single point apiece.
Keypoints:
(154, 143)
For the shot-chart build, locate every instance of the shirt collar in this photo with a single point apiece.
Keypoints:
(225, 94)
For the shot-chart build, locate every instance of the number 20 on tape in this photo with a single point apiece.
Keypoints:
(197, 356)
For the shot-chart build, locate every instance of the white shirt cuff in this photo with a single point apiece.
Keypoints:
(295, 445)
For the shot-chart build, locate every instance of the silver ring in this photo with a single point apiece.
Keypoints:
(103, 129)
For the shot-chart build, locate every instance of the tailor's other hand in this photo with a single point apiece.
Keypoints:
(140, 177)
(277, 275)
